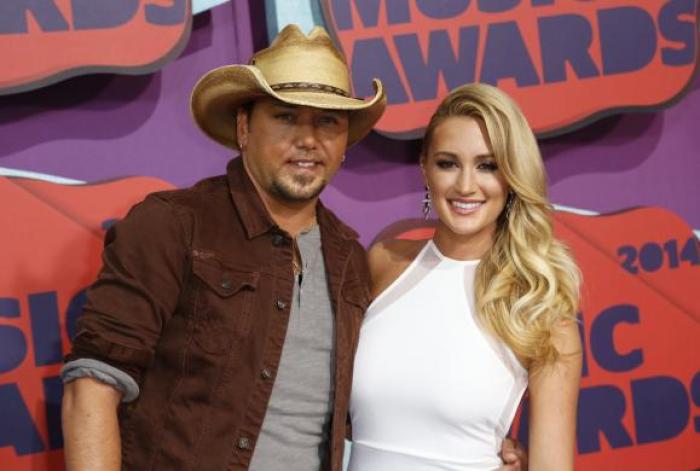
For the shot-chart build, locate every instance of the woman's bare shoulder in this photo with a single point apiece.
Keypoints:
(389, 258)
(394, 251)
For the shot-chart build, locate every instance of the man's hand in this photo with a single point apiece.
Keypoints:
(513, 455)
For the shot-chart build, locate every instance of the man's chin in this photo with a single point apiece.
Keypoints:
(298, 192)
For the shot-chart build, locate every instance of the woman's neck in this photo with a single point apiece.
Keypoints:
(463, 247)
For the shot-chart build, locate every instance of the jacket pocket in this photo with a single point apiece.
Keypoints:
(223, 304)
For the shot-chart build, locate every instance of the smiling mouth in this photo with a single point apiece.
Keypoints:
(465, 207)
(304, 164)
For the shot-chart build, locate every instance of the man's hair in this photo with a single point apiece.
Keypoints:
(248, 107)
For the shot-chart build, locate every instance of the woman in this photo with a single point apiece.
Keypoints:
(461, 325)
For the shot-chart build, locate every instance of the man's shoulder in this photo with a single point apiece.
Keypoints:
(199, 193)
(181, 208)
(337, 226)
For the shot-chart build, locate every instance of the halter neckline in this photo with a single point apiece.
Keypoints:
(445, 258)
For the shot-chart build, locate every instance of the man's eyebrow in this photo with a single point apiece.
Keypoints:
(335, 112)
(286, 106)
(289, 107)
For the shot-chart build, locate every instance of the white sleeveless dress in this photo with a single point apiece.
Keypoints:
(431, 389)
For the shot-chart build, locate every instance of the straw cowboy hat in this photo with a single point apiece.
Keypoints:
(295, 69)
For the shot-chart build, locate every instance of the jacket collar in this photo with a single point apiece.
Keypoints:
(254, 216)
(326, 218)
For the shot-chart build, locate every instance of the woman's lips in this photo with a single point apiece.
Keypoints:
(465, 206)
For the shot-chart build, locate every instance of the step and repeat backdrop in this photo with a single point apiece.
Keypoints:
(94, 115)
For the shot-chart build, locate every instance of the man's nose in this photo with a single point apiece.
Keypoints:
(306, 136)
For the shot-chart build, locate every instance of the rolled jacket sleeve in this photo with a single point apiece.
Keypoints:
(107, 374)
(137, 290)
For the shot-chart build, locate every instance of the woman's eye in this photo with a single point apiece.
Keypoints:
(445, 164)
(488, 166)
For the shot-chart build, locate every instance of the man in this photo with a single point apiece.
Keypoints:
(220, 332)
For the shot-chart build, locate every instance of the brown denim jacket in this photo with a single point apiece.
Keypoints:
(193, 302)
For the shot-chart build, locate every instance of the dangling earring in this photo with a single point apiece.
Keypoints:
(427, 203)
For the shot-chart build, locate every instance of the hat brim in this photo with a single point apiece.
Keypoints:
(217, 96)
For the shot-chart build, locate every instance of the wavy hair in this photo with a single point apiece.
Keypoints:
(527, 282)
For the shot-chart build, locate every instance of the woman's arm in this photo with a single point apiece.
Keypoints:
(553, 397)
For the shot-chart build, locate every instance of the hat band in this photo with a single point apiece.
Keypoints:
(311, 86)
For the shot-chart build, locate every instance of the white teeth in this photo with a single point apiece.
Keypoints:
(305, 164)
(462, 205)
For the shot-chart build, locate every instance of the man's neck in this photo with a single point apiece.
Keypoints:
(293, 218)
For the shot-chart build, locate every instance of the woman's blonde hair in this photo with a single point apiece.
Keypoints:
(528, 282)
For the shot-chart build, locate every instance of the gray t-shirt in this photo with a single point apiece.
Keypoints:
(296, 428)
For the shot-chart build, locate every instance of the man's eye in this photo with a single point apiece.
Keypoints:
(328, 120)
(286, 117)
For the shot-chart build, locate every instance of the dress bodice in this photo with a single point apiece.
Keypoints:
(431, 389)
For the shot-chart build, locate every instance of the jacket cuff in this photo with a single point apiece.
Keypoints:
(103, 372)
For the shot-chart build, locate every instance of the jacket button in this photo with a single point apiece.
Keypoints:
(277, 239)
(266, 374)
(243, 443)
(281, 304)
(225, 283)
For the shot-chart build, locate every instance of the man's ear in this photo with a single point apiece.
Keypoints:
(242, 127)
